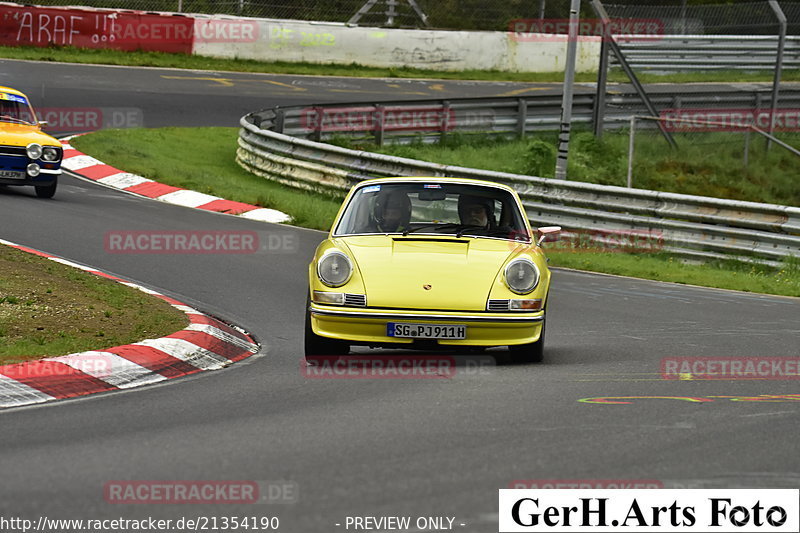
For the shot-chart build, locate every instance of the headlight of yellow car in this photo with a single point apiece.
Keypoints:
(34, 150)
(521, 276)
(334, 269)
(49, 154)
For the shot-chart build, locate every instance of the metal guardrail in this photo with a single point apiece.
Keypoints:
(430, 119)
(272, 145)
(675, 53)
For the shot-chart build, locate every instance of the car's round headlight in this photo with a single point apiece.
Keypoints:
(334, 269)
(33, 170)
(522, 276)
(49, 153)
(34, 150)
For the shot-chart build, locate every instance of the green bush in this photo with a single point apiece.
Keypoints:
(540, 159)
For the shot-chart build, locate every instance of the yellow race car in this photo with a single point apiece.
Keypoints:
(429, 263)
(28, 156)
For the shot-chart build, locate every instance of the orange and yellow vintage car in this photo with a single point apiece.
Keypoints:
(28, 156)
(429, 263)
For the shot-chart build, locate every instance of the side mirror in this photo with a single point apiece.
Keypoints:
(43, 123)
(545, 231)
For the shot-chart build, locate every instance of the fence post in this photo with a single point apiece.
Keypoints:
(445, 120)
(317, 134)
(603, 15)
(391, 12)
(746, 147)
(630, 152)
(599, 109)
(379, 124)
(280, 119)
(778, 65)
(522, 117)
(569, 82)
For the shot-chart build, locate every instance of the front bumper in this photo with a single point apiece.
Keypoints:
(47, 177)
(368, 326)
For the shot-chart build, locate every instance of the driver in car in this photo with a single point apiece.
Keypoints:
(475, 211)
(392, 212)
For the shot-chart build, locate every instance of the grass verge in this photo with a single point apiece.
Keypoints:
(705, 164)
(663, 267)
(70, 54)
(204, 160)
(50, 309)
(171, 155)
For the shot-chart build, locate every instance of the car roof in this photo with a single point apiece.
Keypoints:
(435, 179)
(11, 91)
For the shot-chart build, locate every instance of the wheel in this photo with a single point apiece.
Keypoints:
(532, 352)
(46, 191)
(317, 345)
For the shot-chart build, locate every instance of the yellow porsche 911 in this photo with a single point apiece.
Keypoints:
(426, 263)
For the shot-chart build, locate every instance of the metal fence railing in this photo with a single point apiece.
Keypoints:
(706, 53)
(691, 226)
(429, 120)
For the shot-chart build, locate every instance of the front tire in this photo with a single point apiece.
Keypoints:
(532, 352)
(46, 191)
(317, 345)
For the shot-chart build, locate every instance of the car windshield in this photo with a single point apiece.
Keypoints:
(15, 109)
(433, 209)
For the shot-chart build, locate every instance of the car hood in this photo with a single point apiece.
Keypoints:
(458, 273)
(23, 135)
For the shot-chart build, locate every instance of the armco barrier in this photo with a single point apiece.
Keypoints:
(405, 121)
(680, 53)
(692, 226)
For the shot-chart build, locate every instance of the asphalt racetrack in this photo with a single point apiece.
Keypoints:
(374, 447)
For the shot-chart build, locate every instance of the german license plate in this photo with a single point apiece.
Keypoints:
(426, 331)
(12, 174)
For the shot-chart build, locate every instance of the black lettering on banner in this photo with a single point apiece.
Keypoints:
(600, 511)
(515, 513)
(716, 511)
(635, 512)
(689, 518)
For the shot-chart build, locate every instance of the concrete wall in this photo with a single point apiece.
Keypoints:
(289, 40)
(284, 40)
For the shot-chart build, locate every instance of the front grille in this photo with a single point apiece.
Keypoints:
(355, 300)
(497, 305)
(15, 151)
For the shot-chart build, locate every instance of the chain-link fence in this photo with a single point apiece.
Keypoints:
(715, 149)
(686, 16)
(438, 14)
(723, 158)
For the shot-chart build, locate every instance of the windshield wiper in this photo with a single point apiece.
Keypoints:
(492, 232)
(15, 119)
(436, 227)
